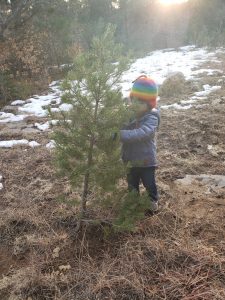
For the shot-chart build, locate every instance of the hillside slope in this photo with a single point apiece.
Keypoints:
(178, 253)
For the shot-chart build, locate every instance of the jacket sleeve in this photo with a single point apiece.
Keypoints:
(143, 133)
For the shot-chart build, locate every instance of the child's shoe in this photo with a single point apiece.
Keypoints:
(154, 207)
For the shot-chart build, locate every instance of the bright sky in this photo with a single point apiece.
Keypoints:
(168, 2)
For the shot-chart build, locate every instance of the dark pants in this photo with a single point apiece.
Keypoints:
(147, 176)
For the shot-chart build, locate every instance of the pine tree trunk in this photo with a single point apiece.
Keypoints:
(87, 174)
(86, 178)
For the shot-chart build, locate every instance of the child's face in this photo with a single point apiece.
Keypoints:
(138, 107)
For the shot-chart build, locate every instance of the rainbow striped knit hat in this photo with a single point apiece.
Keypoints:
(145, 88)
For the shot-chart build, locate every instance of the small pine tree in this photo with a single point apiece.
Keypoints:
(85, 150)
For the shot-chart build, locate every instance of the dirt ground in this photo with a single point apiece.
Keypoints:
(178, 253)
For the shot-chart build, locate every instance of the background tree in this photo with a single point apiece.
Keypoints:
(37, 36)
(207, 22)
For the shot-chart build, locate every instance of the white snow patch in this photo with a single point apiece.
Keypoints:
(198, 98)
(54, 122)
(9, 117)
(187, 48)
(208, 90)
(175, 106)
(158, 64)
(65, 107)
(18, 102)
(42, 127)
(51, 144)
(11, 143)
(35, 107)
(34, 144)
(209, 72)
(191, 101)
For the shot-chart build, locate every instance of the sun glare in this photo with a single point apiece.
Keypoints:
(170, 2)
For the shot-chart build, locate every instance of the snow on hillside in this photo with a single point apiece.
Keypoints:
(158, 64)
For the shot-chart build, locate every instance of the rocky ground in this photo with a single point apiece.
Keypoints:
(178, 253)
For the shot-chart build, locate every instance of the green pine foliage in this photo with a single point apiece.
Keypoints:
(85, 151)
(131, 209)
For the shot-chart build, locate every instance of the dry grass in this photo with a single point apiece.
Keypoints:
(178, 254)
(161, 260)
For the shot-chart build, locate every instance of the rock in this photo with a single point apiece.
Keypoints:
(215, 150)
(55, 252)
(53, 102)
(214, 181)
(216, 102)
(10, 109)
(174, 85)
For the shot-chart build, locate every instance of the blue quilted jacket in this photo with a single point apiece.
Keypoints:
(139, 140)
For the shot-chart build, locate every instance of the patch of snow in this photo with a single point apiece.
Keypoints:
(53, 83)
(188, 48)
(9, 117)
(34, 144)
(191, 101)
(209, 72)
(18, 102)
(42, 127)
(55, 109)
(1, 186)
(198, 98)
(50, 145)
(175, 106)
(65, 107)
(35, 107)
(208, 90)
(54, 122)
(158, 64)
(11, 143)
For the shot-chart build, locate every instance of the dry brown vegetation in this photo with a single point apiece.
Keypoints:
(178, 253)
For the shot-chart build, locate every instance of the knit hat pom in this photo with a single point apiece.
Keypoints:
(145, 88)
